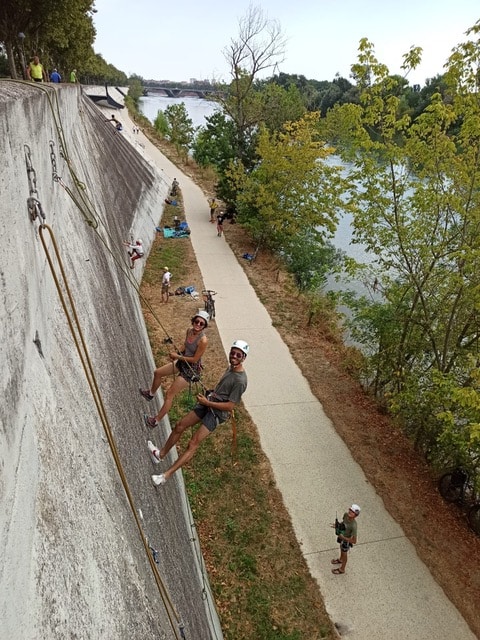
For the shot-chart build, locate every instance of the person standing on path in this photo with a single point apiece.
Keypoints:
(213, 204)
(346, 536)
(188, 364)
(35, 71)
(220, 219)
(166, 284)
(211, 410)
(73, 76)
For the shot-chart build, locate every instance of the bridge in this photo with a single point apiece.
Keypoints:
(180, 92)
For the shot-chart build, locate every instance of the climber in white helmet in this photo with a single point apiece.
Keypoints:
(211, 410)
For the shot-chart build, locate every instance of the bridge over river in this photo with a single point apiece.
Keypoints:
(180, 92)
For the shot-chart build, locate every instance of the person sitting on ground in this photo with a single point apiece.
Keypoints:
(346, 536)
(135, 251)
(211, 410)
(35, 71)
(188, 364)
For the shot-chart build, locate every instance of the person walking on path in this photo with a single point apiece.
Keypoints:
(346, 536)
(55, 77)
(213, 204)
(220, 219)
(35, 71)
(188, 363)
(211, 410)
(166, 284)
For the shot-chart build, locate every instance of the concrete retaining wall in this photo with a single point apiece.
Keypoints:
(73, 564)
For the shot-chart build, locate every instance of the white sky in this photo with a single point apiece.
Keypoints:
(184, 39)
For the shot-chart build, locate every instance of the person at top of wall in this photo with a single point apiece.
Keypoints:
(35, 70)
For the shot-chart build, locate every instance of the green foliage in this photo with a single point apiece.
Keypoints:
(180, 130)
(310, 260)
(60, 32)
(161, 124)
(135, 88)
(214, 143)
(415, 192)
(291, 191)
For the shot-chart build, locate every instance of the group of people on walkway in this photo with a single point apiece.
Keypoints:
(212, 408)
(36, 73)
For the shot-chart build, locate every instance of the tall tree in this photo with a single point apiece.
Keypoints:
(291, 191)
(259, 46)
(415, 188)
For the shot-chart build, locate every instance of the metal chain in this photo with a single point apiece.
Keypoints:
(31, 173)
(53, 160)
(33, 203)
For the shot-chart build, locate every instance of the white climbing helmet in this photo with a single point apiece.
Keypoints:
(242, 345)
(139, 241)
(202, 314)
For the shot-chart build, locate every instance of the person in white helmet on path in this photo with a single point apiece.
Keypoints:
(188, 364)
(211, 410)
(346, 531)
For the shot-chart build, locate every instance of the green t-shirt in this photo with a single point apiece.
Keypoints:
(350, 526)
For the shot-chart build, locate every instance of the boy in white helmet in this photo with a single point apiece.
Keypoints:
(346, 536)
(210, 410)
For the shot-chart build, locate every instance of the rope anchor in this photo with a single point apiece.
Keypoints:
(35, 209)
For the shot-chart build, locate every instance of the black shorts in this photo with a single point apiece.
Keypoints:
(208, 416)
(189, 372)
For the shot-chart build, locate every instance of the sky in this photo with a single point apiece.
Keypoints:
(184, 39)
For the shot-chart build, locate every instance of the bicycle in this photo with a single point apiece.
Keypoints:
(456, 486)
(209, 302)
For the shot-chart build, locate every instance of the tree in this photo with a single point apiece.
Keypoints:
(415, 190)
(60, 31)
(291, 191)
(259, 46)
(180, 131)
(215, 142)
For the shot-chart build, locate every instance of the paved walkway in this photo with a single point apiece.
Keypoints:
(387, 592)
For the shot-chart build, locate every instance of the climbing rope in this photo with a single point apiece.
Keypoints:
(86, 207)
(71, 315)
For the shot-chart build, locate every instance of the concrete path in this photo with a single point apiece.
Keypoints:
(387, 592)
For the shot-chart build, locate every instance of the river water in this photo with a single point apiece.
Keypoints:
(197, 108)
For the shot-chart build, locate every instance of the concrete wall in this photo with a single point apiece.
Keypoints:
(73, 564)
